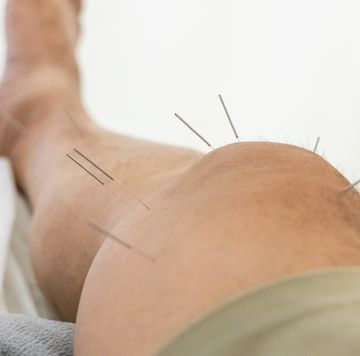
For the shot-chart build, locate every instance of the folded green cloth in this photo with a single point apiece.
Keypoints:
(316, 314)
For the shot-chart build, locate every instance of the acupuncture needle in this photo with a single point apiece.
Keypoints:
(102, 183)
(75, 124)
(229, 117)
(316, 145)
(94, 164)
(109, 176)
(87, 171)
(351, 186)
(194, 131)
(115, 238)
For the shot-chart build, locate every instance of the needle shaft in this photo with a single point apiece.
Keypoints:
(193, 130)
(316, 145)
(229, 117)
(351, 186)
(94, 164)
(109, 176)
(87, 171)
(115, 238)
(74, 123)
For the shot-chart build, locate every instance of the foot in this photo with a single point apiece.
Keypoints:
(41, 76)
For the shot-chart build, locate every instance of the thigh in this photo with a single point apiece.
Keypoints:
(242, 216)
(62, 243)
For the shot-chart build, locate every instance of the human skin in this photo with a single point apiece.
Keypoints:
(219, 224)
(242, 216)
(40, 90)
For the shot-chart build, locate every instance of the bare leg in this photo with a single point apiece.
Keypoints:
(243, 215)
(39, 88)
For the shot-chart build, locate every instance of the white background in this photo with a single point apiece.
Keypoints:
(288, 70)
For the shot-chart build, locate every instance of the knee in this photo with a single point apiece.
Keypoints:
(279, 180)
(271, 165)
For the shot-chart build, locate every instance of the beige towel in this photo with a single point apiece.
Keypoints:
(19, 292)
